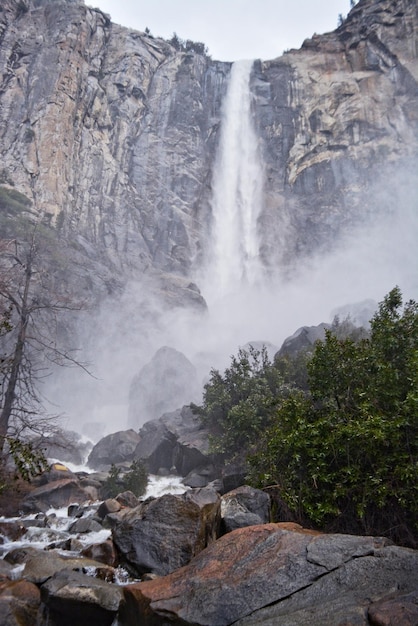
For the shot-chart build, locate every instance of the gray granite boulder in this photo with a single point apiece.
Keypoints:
(244, 506)
(161, 535)
(115, 448)
(167, 382)
(268, 575)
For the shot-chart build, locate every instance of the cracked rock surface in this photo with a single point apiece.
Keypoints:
(269, 575)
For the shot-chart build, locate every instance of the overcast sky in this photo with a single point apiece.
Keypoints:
(232, 29)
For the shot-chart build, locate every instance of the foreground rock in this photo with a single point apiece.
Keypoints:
(73, 598)
(268, 575)
(20, 603)
(163, 534)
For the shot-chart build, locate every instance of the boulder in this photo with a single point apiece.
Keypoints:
(55, 494)
(40, 566)
(85, 525)
(163, 534)
(127, 498)
(233, 476)
(303, 339)
(102, 552)
(269, 575)
(400, 609)
(5, 569)
(244, 506)
(111, 505)
(167, 382)
(176, 440)
(156, 446)
(12, 530)
(57, 471)
(20, 603)
(113, 449)
(74, 598)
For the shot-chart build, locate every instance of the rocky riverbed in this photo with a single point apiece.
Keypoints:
(196, 557)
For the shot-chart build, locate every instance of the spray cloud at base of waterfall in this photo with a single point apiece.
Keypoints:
(244, 305)
(364, 263)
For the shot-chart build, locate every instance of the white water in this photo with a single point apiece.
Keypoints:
(237, 191)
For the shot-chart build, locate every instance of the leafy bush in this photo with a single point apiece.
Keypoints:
(346, 455)
(238, 404)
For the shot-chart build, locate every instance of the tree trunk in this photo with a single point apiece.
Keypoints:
(10, 394)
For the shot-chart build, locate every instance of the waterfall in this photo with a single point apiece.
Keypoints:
(237, 187)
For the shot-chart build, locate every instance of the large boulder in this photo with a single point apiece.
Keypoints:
(167, 382)
(244, 506)
(175, 441)
(269, 575)
(163, 534)
(55, 494)
(74, 598)
(115, 448)
(156, 446)
(20, 603)
(40, 566)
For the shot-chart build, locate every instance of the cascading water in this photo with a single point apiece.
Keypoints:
(237, 191)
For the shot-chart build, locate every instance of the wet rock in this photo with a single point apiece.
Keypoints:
(17, 556)
(41, 566)
(163, 534)
(57, 471)
(127, 498)
(5, 569)
(104, 552)
(176, 440)
(156, 446)
(12, 530)
(19, 603)
(398, 610)
(85, 525)
(74, 598)
(55, 494)
(244, 506)
(267, 575)
(110, 505)
(113, 449)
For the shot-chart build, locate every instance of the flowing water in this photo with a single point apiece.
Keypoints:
(237, 193)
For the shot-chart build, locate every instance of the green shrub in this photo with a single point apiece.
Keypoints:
(135, 480)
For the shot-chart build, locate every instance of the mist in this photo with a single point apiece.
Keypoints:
(244, 304)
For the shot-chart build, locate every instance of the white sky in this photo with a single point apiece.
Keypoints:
(232, 29)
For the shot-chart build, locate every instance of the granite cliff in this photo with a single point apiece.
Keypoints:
(111, 135)
(110, 138)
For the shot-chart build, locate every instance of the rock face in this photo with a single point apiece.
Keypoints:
(114, 145)
(167, 382)
(268, 575)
